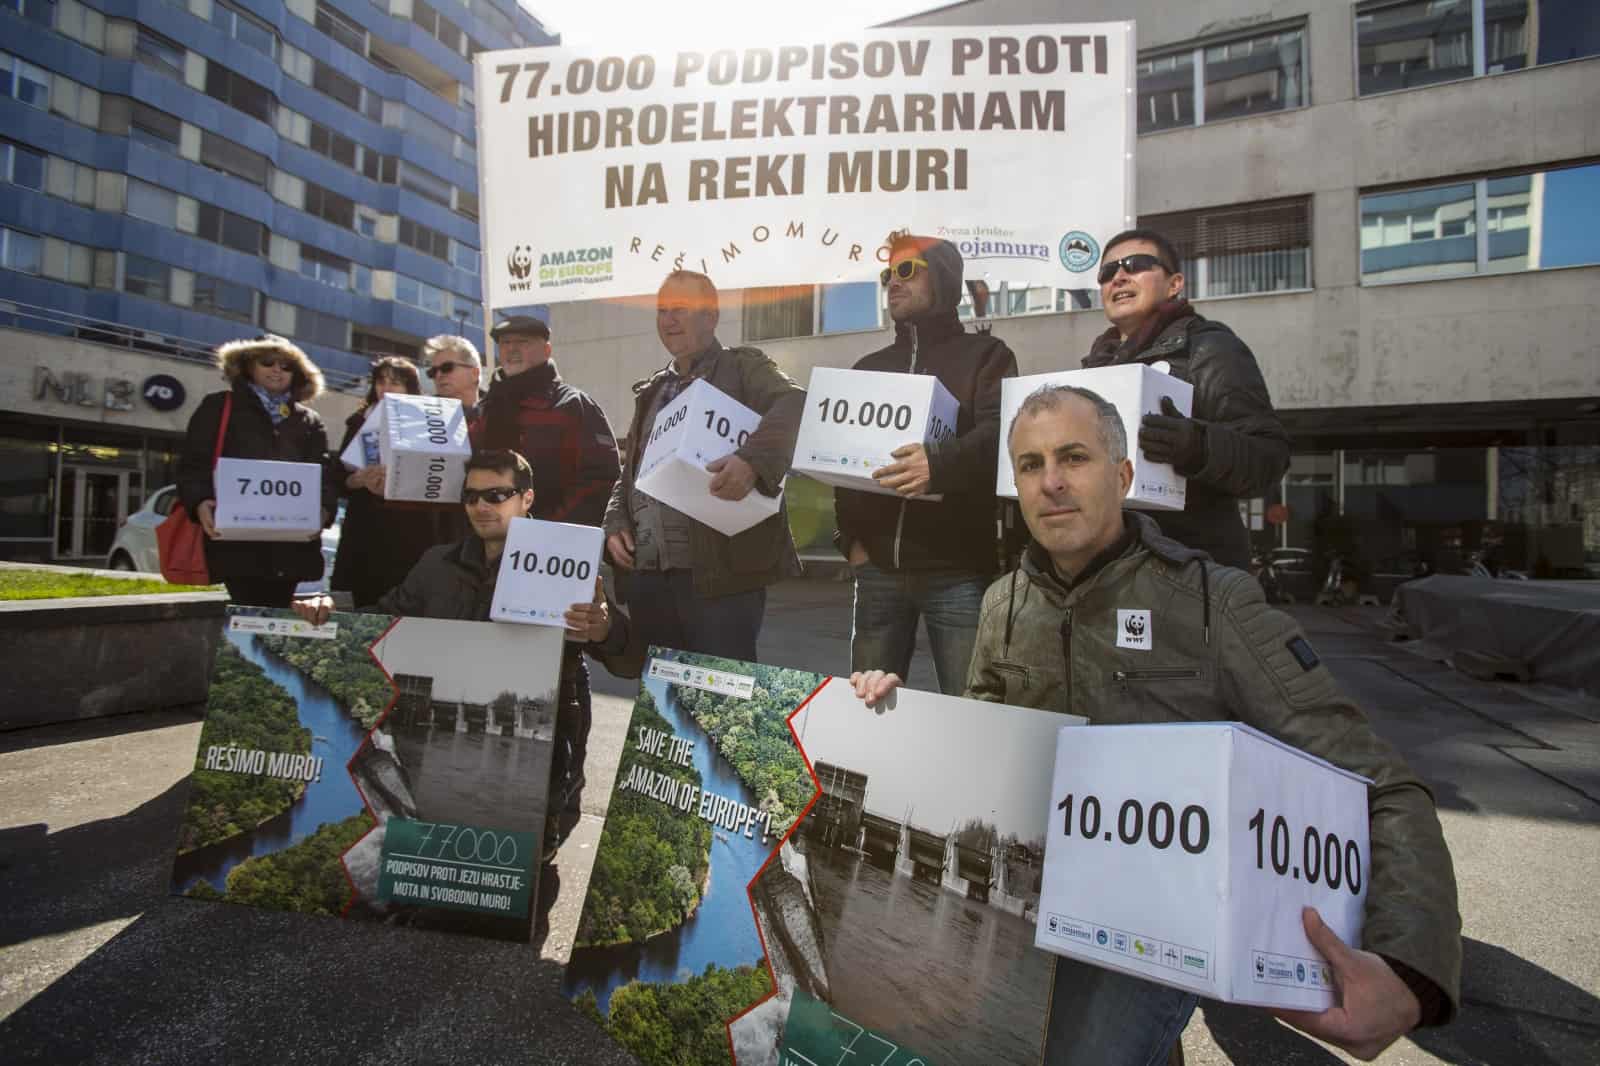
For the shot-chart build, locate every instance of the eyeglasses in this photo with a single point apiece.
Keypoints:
(442, 368)
(267, 362)
(905, 270)
(497, 495)
(1137, 263)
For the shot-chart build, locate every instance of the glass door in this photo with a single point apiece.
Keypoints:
(94, 504)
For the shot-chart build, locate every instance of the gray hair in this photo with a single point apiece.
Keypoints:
(436, 346)
(1113, 435)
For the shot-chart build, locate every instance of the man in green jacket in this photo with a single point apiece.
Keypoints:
(689, 586)
(1211, 650)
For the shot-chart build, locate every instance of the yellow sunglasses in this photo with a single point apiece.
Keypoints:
(905, 270)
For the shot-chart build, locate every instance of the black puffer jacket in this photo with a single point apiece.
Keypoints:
(299, 438)
(1247, 450)
(957, 532)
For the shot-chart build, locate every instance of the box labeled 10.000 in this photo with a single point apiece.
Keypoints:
(701, 425)
(424, 447)
(545, 568)
(1184, 853)
(1135, 390)
(855, 419)
(263, 499)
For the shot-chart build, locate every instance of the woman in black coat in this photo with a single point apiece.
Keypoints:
(271, 381)
(381, 539)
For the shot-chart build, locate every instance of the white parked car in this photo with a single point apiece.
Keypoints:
(135, 545)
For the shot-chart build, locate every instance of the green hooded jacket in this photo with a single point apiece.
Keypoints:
(1214, 651)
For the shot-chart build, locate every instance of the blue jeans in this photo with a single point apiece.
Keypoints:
(663, 606)
(888, 604)
(1104, 1018)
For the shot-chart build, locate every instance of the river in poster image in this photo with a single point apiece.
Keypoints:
(722, 930)
(331, 798)
(958, 980)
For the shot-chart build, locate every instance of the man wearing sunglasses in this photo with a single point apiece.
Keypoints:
(1232, 447)
(915, 558)
(455, 369)
(457, 581)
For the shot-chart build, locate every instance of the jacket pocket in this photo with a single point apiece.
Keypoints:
(1163, 694)
(1156, 674)
(1018, 680)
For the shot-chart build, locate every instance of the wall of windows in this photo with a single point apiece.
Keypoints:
(24, 81)
(1245, 248)
(1533, 221)
(810, 310)
(1224, 79)
(1422, 42)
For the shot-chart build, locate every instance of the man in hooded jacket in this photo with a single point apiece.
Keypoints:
(915, 557)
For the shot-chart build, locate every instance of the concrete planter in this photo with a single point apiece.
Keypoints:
(94, 656)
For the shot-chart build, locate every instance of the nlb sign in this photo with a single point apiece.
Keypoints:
(263, 499)
(1184, 853)
(1135, 390)
(701, 425)
(545, 568)
(855, 419)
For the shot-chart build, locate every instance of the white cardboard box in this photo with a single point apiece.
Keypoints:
(545, 568)
(366, 447)
(855, 419)
(1164, 854)
(1135, 390)
(424, 448)
(701, 425)
(263, 499)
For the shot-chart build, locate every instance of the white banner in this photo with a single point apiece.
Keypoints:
(789, 164)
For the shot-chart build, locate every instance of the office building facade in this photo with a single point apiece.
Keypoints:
(178, 173)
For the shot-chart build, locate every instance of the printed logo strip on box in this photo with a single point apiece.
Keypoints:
(725, 684)
(283, 627)
(1293, 971)
(1193, 961)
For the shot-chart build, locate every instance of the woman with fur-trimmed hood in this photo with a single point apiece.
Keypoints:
(270, 381)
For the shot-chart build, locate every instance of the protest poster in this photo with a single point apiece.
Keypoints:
(788, 164)
(783, 871)
(374, 768)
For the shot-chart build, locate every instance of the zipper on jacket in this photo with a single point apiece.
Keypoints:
(900, 521)
(1066, 652)
(1161, 674)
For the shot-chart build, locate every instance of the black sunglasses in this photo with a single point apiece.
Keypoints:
(267, 362)
(497, 495)
(905, 270)
(442, 368)
(1137, 263)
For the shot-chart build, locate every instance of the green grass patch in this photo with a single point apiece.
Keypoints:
(49, 585)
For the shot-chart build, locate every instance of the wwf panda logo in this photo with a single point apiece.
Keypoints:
(520, 261)
(1135, 625)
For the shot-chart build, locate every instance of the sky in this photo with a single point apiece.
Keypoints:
(653, 22)
(474, 661)
(938, 757)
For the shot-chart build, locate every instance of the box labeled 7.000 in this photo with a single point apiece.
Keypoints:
(1184, 853)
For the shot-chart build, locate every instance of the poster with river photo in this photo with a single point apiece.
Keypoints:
(374, 768)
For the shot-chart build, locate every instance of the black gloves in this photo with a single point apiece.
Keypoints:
(1172, 438)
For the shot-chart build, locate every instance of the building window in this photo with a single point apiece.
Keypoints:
(157, 129)
(152, 203)
(1534, 221)
(329, 205)
(425, 240)
(1221, 80)
(26, 82)
(464, 258)
(339, 148)
(375, 346)
(467, 204)
(342, 29)
(325, 267)
(244, 28)
(421, 295)
(444, 31)
(222, 154)
(239, 92)
(318, 328)
(228, 299)
(40, 11)
(146, 277)
(366, 223)
(433, 133)
(159, 54)
(232, 231)
(1422, 42)
(424, 184)
(811, 310)
(21, 167)
(326, 80)
(1248, 248)
(20, 251)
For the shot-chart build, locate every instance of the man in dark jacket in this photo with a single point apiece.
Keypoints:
(560, 431)
(457, 581)
(690, 587)
(1050, 639)
(914, 557)
(1232, 447)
